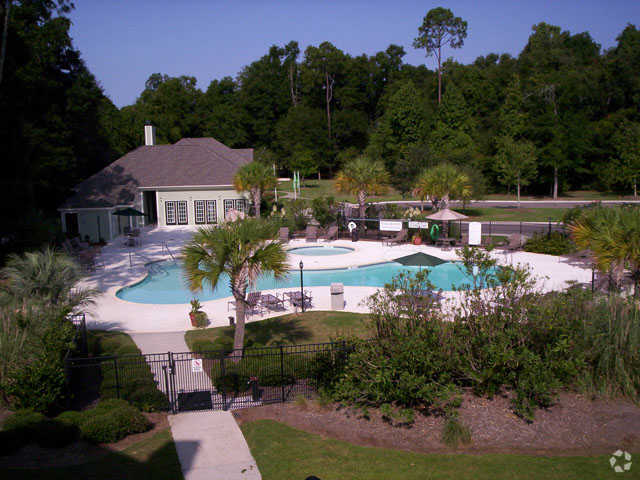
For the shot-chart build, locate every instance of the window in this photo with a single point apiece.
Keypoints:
(170, 208)
(205, 211)
(183, 217)
(198, 207)
(228, 206)
(240, 205)
(212, 212)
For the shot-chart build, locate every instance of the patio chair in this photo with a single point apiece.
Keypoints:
(330, 234)
(295, 298)
(252, 303)
(464, 240)
(78, 244)
(516, 241)
(272, 302)
(400, 237)
(283, 234)
(311, 233)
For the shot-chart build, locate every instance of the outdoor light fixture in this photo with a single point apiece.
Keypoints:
(301, 286)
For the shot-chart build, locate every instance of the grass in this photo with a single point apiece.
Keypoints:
(311, 189)
(153, 458)
(294, 328)
(284, 453)
(571, 195)
(102, 342)
(507, 214)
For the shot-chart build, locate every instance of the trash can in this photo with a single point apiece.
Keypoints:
(355, 235)
(337, 296)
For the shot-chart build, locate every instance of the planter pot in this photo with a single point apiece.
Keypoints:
(194, 319)
(417, 240)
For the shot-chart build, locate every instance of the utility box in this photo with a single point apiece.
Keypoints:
(337, 296)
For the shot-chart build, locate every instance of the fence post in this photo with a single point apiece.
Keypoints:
(490, 228)
(166, 387)
(222, 374)
(85, 343)
(549, 233)
(282, 371)
(115, 368)
(520, 227)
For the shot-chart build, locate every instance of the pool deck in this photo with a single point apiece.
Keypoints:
(125, 266)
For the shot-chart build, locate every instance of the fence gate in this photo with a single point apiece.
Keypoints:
(210, 380)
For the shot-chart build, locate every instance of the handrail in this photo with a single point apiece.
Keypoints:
(165, 246)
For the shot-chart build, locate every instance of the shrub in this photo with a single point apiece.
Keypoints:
(27, 426)
(323, 210)
(203, 345)
(232, 383)
(223, 343)
(111, 421)
(39, 385)
(555, 243)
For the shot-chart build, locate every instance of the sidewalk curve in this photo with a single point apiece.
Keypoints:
(211, 446)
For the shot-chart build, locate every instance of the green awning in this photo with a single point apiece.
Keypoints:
(420, 260)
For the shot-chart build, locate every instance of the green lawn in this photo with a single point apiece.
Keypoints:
(571, 195)
(311, 189)
(308, 327)
(284, 453)
(102, 342)
(522, 214)
(154, 458)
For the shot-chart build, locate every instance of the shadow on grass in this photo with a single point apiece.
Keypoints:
(157, 459)
(274, 331)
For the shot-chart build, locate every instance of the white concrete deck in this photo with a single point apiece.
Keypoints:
(111, 312)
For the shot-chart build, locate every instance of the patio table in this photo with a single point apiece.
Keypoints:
(445, 241)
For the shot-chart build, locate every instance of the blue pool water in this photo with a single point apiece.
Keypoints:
(320, 251)
(165, 283)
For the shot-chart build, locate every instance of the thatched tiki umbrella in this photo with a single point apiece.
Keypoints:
(446, 215)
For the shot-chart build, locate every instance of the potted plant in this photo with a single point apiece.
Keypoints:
(198, 317)
(417, 239)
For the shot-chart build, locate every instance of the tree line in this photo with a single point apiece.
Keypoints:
(563, 114)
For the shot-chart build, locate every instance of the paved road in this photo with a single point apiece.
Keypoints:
(524, 203)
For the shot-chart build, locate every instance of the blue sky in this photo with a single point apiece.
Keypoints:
(124, 41)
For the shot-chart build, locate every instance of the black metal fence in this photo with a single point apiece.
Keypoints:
(215, 380)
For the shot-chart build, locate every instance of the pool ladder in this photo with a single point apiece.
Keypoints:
(166, 247)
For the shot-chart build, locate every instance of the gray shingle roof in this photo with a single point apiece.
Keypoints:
(188, 162)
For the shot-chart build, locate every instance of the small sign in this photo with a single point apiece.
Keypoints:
(390, 225)
(351, 226)
(423, 225)
(196, 365)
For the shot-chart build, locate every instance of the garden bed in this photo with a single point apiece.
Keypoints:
(575, 425)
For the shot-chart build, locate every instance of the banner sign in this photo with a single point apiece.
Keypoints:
(475, 233)
(390, 225)
(423, 225)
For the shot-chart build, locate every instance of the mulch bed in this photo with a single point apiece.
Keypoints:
(80, 452)
(575, 425)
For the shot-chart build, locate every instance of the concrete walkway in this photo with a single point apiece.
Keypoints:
(210, 446)
(160, 342)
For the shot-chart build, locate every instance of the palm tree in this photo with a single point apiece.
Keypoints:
(237, 252)
(47, 276)
(443, 183)
(362, 177)
(613, 235)
(255, 178)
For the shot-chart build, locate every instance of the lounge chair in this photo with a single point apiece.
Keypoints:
(400, 237)
(516, 241)
(311, 234)
(283, 234)
(330, 234)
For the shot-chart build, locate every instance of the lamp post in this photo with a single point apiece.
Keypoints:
(301, 286)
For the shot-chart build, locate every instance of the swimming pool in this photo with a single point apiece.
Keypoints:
(320, 251)
(165, 283)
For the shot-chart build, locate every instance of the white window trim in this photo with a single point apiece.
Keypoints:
(179, 204)
(174, 208)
